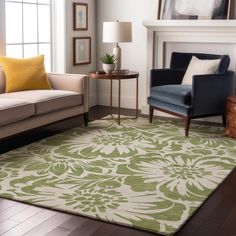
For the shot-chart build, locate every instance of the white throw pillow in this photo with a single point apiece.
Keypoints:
(200, 67)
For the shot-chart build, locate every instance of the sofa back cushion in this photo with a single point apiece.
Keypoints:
(181, 60)
(2, 81)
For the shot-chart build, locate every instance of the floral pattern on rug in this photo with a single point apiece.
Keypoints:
(142, 175)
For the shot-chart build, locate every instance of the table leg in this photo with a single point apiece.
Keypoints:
(119, 102)
(111, 97)
(137, 97)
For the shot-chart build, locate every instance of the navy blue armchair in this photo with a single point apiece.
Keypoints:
(205, 97)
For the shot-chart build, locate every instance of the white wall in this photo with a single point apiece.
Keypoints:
(70, 33)
(133, 54)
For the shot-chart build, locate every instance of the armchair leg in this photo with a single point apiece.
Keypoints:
(187, 125)
(150, 114)
(86, 118)
(224, 120)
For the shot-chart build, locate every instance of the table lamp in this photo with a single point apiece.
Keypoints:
(117, 32)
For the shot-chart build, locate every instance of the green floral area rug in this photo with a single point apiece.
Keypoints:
(147, 176)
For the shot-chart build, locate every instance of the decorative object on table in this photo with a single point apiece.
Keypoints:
(205, 97)
(82, 50)
(121, 71)
(230, 129)
(80, 16)
(146, 176)
(117, 32)
(108, 62)
(192, 9)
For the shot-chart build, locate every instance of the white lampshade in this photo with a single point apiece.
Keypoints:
(115, 32)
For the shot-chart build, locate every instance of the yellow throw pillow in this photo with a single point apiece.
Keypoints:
(24, 74)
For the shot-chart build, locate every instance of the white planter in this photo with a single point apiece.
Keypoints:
(108, 68)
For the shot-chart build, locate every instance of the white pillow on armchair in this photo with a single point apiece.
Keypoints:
(200, 67)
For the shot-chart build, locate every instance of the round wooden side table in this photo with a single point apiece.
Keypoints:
(230, 129)
(115, 76)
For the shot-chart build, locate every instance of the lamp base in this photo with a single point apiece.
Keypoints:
(117, 53)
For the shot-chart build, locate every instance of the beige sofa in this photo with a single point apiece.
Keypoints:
(25, 110)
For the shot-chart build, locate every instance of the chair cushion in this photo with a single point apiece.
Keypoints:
(13, 110)
(46, 101)
(173, 94)
(24, 74)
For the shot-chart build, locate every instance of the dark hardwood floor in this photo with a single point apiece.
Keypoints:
(217, 217)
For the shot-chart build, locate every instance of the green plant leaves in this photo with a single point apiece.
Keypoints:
(108, 59)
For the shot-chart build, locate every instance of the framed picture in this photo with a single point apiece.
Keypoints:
(80, 16)
(192, 9)
(82, 50)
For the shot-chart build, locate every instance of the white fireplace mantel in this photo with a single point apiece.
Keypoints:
(160, 32)
(189, 31)
(190, 25)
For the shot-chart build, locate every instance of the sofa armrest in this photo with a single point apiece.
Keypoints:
(209, 92)
(166, 76)
(71, 82)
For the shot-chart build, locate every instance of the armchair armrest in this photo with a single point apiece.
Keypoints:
(71, 82)
(209, 92)
(166, 76)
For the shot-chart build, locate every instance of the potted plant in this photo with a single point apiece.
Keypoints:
(108, 62)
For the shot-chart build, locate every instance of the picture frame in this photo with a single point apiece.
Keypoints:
(81, 50)
(80, 16)
(194, 10)
(159, 9)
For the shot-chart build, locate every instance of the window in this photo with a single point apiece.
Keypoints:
(28, 29)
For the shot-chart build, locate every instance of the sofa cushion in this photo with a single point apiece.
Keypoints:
(46, 101)
(13, 110)
(174, 94)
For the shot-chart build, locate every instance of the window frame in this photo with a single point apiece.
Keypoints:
(37, 42)
(58, 31)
